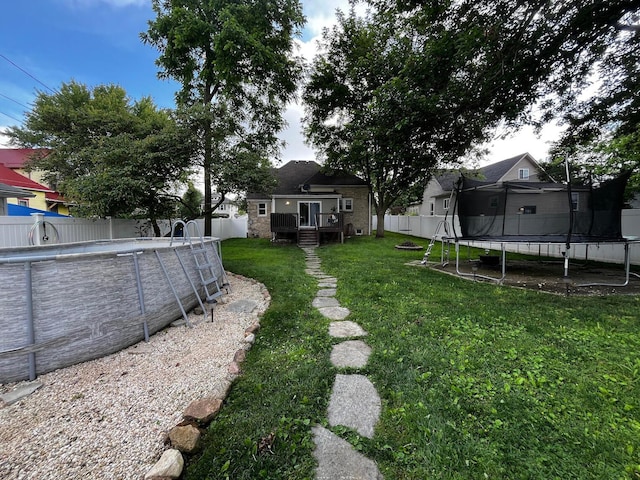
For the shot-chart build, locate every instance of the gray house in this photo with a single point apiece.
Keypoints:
(310, 205)
(437, 194)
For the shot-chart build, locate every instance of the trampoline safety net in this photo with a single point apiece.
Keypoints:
(540, 212)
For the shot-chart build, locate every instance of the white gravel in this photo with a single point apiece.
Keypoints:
(108, 418)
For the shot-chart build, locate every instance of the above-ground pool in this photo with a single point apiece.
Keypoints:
(66, 304)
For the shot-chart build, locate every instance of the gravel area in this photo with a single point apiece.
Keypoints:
(108, 418)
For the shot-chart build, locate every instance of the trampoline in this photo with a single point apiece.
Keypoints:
(537, 213)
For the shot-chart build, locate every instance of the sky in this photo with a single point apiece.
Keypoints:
(44, 43)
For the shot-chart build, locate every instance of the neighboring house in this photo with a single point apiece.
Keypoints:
(13, 172)
(308, 204)
(437, 197)
(9, 192)
(227, 209)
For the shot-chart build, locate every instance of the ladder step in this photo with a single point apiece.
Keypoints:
(198, 250)
(212, 297)
(208, 281)
(204, 266)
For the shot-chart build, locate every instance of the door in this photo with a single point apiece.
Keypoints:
(307, 212)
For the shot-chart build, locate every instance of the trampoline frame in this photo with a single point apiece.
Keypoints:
(499, 280)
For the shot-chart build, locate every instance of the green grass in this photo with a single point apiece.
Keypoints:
(476, 380)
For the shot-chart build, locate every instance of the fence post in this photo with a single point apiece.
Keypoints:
(39, 218)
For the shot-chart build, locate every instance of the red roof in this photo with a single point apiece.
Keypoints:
(16, 157)
(9, 177)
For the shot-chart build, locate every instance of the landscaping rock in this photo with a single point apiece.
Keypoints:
(184, 438)
(234, 368)
(203, 410)
(170, 465)
(240, 356)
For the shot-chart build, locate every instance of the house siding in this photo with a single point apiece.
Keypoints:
(258, 226)
(360, 217)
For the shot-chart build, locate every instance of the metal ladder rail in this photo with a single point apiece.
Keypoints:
(193, 286)
(203, 264)
(218, 259)
(442, 224)
(173, 289)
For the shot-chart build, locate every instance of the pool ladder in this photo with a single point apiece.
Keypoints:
(206, 260)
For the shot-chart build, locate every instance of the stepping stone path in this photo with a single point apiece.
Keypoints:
(354, 401)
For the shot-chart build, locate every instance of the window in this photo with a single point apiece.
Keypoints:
(523, 174)
(493, 202)
(432, 208)
(23, 203)
(262, 209)
(347, 205)
(528, 210)
(222, 207)
(445, 204)
(574, 201)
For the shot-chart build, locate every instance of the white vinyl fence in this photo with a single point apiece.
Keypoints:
(425, 227)
(23, 231)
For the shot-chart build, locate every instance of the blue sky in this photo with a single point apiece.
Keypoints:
(98, 42)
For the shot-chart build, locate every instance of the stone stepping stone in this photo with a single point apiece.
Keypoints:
(326, 292)
(338, 460)
(350, 354)
(19, 392)
(354, 403)
(334, 313)
(242, 306)
(320, 302)
(325, 284)
(346, 329)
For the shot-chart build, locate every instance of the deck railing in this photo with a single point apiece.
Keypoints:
(330, 222)
(284, 222)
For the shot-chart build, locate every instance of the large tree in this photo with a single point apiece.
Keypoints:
(110, 155)
(410, 86)
(234, 59)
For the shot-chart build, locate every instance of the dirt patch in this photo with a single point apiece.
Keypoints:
(548, 276)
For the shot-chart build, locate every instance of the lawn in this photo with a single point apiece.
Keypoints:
(477, 381)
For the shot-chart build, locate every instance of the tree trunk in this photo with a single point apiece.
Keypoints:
(380, 226)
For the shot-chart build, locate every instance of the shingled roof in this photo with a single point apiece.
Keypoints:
(296, 173)
(489, 173)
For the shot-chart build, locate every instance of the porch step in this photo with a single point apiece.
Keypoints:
(307, 238)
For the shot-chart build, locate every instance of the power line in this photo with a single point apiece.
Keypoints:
(13, 100)
(10, 116)
(27, 73)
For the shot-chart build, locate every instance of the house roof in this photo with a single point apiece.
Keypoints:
(17, 157)
(296, 173)
(14, 179)
(493, 172)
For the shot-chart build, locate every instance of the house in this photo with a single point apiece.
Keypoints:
(9, 192)
(227, 209)
(309, 205)
(13, 172)
(437, 195)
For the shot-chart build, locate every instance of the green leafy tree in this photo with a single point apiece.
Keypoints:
(235, 61)
(111, 156)
(191, 203)
(411, 87)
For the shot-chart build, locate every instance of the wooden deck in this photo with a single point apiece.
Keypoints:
(328, 226)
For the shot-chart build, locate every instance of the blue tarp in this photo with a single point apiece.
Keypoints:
(20, 211)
